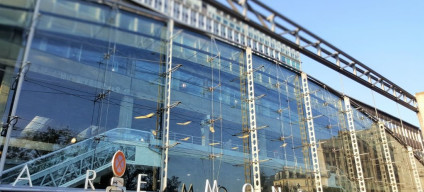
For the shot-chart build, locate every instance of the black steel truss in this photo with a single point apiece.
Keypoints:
(297, 37)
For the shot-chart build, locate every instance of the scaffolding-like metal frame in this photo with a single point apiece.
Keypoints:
(414, 169)
(283, 30)
(354, 142)
(311, 131)
(252, 121)
(387, 156)
(167, 108)
(299, 38)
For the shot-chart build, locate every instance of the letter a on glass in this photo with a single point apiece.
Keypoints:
(25, 169)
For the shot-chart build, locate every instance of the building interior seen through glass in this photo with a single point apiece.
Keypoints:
(96, 84)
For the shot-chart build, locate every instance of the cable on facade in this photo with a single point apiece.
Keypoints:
(39, 83)
(375, 105)
(212, 124)
(327, 104)
(280, 113)
(212, 90)
(220, 107)
(400, 116)
(290, 120)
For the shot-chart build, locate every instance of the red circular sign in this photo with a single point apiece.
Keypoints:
(119, 164)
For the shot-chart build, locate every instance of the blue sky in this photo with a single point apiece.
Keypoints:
(386, 35)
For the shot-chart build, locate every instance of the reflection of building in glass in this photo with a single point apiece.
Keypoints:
(90, 131)
(100, 79)
(37, 124)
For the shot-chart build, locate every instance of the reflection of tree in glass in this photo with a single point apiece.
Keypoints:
(173, 184)
(55, 136)
(131, 176)
(59, 137)
(266, 181)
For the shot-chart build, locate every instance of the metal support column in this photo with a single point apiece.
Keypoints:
(387, 156)
(252, 121)
(167, 108)
(356, 155)
(346, 145)
(380, 160)
(302, 128)
(311, 131)
(23, 69)
(414, 170)
(244, 120)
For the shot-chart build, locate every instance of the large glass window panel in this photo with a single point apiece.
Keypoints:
(16, 13)
(91, 83)
(207, 123)
(369, 144)
(14, 17)
(328, 124)
(96, 85)
(280, 144)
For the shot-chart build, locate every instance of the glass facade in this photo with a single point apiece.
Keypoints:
(96, 84)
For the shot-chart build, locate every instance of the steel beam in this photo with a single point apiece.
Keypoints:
(354, 142)
(311, 131)
(346, 145)
(380, 160)
(387, 156)
(167, 107)
(342, 62)
(302, 127)
(252, 121)
(414, 169)
(321, 51)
